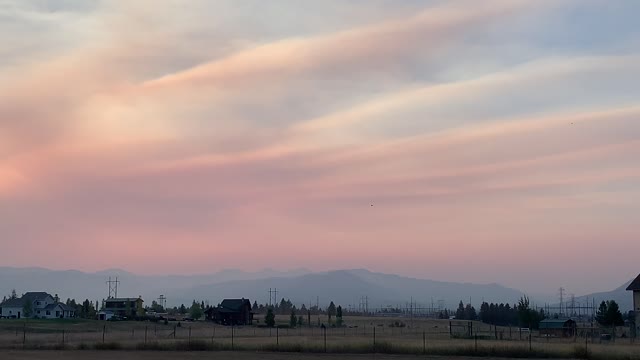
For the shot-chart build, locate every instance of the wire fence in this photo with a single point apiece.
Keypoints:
(468, 335)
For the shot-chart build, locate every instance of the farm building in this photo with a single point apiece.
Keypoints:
(42, 305)
(231, 312)
(635, 288)
(558, 327)
(124, 307)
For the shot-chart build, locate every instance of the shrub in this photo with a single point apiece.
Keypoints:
(108, 346)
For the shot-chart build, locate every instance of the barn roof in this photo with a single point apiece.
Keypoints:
(555, 323)
(235, 304)
(635, 285)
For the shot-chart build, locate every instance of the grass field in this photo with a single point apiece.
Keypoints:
(133, 355)
(362, 335)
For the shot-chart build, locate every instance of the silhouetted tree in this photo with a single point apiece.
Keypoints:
(339, 320)
(331, 311)
(293, 319)
(270, 318)
(27, 308)
(609, 314)
(460, 311)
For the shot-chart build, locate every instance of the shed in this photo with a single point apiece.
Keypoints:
(558, 327)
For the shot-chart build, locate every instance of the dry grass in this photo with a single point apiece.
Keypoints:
(88, 335)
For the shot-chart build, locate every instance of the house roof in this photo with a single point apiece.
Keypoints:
(13, 303)
(554, 323)
(235, 304)
(635, 285)
(30, 296)
(63, 306)
(123, 299)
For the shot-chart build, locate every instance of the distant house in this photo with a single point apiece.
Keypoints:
(558, 327)
(635, 287)
(231, 312)
(124, 307)
(43, 306)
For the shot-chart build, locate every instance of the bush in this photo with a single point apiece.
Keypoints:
(109, 346)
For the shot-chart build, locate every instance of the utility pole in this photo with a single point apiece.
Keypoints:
(561, 292)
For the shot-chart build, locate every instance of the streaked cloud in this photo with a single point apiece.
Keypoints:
(332, 126)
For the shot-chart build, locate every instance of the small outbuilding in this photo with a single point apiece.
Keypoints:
(231, 312)
(558, 327)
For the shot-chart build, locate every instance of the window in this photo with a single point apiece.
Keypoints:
(38, 303)
(48, 312)
(38, 311)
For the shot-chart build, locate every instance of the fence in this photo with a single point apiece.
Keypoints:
(427, 337)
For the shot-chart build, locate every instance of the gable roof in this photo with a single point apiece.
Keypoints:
(36, 295)
(635, 285)
(555, 323)
(235, 304)
(30, 296)
(13, 303)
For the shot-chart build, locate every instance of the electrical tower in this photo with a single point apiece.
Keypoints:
(113, 287)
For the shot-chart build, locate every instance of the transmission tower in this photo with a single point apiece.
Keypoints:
(113, 287)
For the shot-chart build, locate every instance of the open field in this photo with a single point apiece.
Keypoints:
(362, 335)
(133, 355)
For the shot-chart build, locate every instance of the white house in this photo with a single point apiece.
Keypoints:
(43, 305)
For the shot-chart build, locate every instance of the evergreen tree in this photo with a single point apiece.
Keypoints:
(270, 318)
(196, 311)
(470, 312)
(609, 314)
(182, 310)
(27, 308)
(293, 319)
(14, 295)
(331, 311)
(339, 320)
(460, 311)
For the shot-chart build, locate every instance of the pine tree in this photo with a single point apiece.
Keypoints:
(270, 318)
(27, 308)
(331, 311)
(293, 319)
(339, 320)
(460, 311)
(14, 295)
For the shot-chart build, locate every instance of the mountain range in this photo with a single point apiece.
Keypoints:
(301, 286)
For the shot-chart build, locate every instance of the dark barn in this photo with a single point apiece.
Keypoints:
(231, 312)
(558, 327)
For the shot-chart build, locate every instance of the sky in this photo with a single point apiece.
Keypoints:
(493, 141)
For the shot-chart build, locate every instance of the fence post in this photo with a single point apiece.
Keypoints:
(232, 336)
(145, 334)
(424, 342)
(450, 330)
(63, 338)
(325, 339)
(529, 339)
(374, 339)
(278, 338)
(175, 330)
(24, 335)
(104, 329)
(189, 335)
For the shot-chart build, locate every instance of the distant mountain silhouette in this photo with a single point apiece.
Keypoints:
(620, 295)
(345, 287)
(349, 286)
